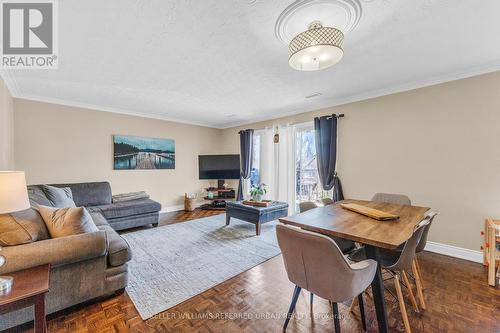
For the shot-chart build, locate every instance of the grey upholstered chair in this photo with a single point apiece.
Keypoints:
(431, 214)
(314, 262)
(304, 206)
(399, 199)
(398, 262)
(327, 201)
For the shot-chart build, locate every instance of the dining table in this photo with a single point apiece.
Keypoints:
(334, 220)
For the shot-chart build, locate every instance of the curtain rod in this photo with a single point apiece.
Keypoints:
(340, 115)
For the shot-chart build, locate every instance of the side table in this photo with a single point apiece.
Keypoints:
(29, 288)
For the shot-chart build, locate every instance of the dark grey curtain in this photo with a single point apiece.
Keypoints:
(325, 130)
(246, 157)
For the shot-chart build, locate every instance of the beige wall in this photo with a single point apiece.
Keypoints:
(55, 143)
(437, 144)
(440, 145)
(6, 129)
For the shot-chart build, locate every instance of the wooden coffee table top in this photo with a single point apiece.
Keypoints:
(27, 283)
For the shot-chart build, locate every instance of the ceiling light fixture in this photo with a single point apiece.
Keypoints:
(317, 48)
(321, 45)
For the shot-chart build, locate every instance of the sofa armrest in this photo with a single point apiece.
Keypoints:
(55, 251)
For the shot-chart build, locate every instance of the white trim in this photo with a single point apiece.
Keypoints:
(455, 251)
(473, 71)
(177, 208)
(110, 109)
(15, 91)
(170, 209)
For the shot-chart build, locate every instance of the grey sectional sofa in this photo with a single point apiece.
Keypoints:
(97, 197)
(84, 266)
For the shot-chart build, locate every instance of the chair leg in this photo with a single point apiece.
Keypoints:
(362, 311)
(419, 285)
(410, 291)
(295, 297)
(402, 306)
(336, 318)
(419, 273)
(353, 304)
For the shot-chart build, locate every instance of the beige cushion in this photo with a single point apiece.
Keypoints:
(67, 221)
(21, 228)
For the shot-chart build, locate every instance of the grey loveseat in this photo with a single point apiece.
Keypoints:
(84, 267)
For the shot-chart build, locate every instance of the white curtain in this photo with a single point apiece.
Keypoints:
(267, 162)
(278, 163)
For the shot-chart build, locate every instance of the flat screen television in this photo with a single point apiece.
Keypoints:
(219, 166)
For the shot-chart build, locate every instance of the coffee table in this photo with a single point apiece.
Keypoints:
(256, 215)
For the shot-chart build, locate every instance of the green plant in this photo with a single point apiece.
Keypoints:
(259, 189)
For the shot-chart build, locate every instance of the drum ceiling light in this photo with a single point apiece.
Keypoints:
(326, 21)
(317, 48)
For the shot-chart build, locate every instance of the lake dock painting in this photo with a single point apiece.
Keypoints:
(132, 152)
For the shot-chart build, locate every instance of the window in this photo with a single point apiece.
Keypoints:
(308, 186)
(255, 172)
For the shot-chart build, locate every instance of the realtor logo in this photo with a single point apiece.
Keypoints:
(29, 34)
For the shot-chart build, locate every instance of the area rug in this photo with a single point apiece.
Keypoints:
(173, 263)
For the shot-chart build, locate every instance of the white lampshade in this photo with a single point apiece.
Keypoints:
(13, 192)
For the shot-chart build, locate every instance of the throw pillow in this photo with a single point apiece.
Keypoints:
(67, 221)
(59, 197)
(22, 227)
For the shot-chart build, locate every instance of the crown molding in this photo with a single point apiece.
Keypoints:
(458, 75)
(16, 92)
(10, 82)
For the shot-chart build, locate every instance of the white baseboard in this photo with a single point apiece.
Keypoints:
(171, 209)
(455, 251)
(177, 208)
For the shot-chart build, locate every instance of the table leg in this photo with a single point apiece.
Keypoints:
(378, 291)
(257, 228)
(228, 218)
(40, 321)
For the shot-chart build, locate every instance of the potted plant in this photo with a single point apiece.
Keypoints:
(257, 191)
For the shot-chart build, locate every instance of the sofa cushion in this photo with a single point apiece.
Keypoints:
(119, 251)
(67, 221)
(89, 194)
(98, 218)
(37, 196)
(129, 208)
(22, 227)
(59, 197)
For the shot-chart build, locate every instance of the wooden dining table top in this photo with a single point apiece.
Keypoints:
(333, 220)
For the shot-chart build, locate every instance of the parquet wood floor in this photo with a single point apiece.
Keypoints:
(457, 295)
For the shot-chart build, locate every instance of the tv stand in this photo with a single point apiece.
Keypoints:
(218, 202)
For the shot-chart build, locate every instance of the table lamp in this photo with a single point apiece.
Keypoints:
(13, 198)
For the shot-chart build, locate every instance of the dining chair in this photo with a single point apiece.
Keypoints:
(431, 214)
(314, 262)
(346, 246)
(327, 201)
(399, 199)
(398, 263)
(304, 206)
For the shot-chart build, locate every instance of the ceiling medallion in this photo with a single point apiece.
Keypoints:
(320, 46)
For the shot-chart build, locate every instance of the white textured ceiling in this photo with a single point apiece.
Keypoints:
(218, 62)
